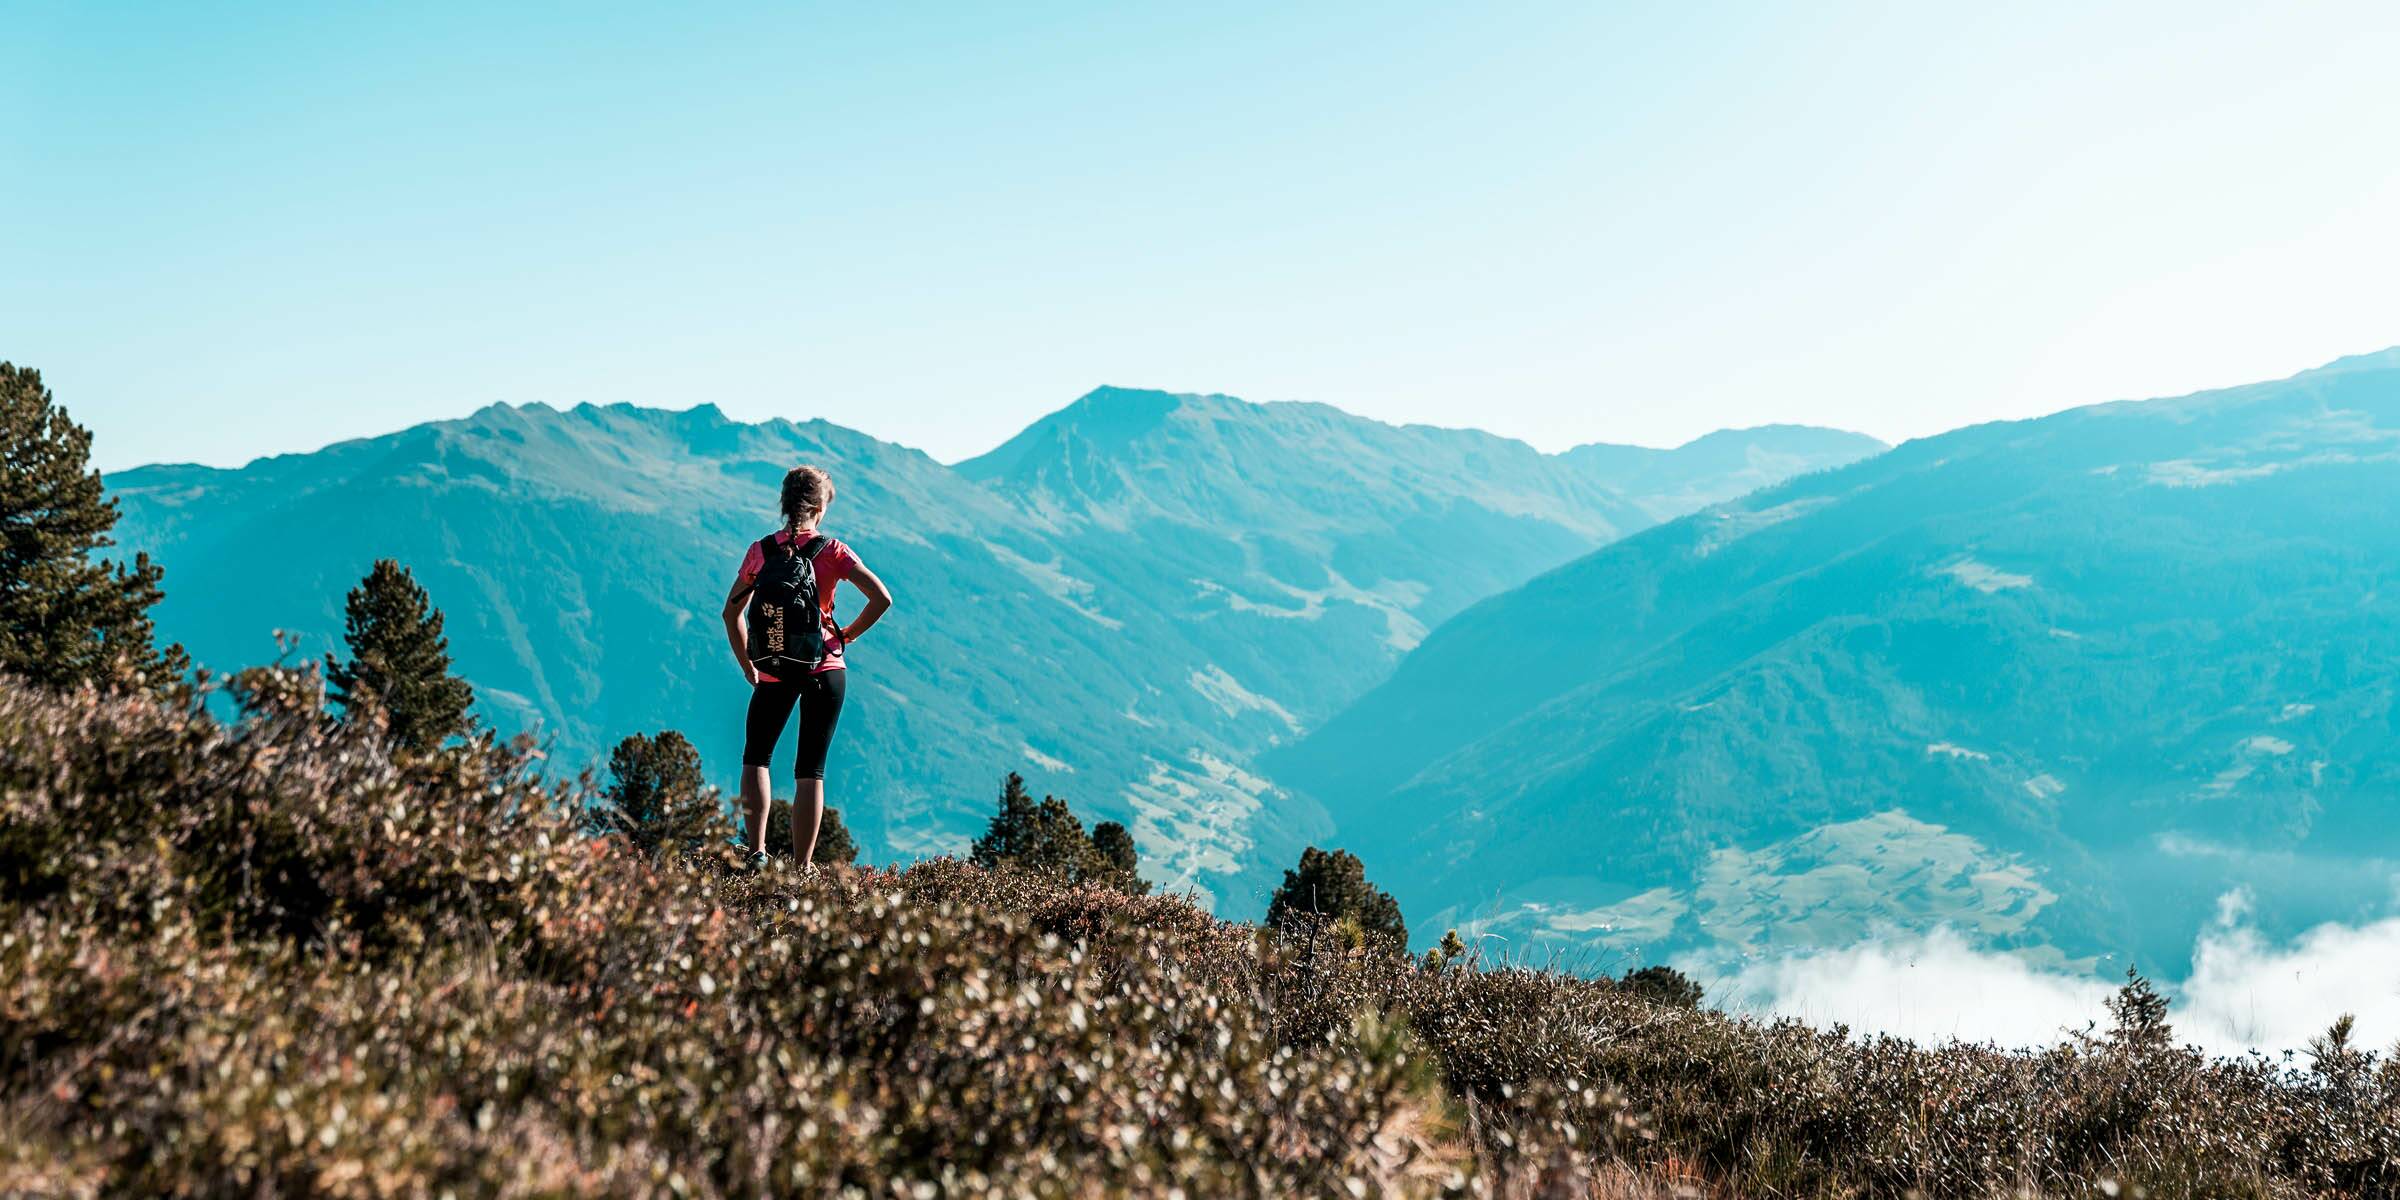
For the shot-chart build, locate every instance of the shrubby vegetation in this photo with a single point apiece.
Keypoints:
(274, 957)
(382, 956)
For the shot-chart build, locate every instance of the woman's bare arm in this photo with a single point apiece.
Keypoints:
(879, 602)
(737, 624)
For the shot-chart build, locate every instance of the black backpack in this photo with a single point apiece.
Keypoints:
(787, 629)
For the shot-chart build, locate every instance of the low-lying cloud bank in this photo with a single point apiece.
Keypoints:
(2242, 993)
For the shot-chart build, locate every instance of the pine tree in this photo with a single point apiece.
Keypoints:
(1041, 836)
(1047, 838)
(2139, 1017)
(1011, 834)
(1055, 844)
(1115, 860)
(1662, 984)
(1332, 886)
(657, 797)
(834, 843)
(2335, 1057)
(65, 618)
(400, 662)
(1114, 847)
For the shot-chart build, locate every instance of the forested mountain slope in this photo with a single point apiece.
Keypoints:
(2063, 683)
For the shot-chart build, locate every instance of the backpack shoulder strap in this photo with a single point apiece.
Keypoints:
(815, 545)
(767, 550)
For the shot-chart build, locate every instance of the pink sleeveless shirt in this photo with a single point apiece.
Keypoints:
(834, 563)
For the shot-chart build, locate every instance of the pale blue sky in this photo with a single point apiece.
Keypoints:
(235, 230)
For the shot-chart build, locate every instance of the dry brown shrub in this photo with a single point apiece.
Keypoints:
(270, 958)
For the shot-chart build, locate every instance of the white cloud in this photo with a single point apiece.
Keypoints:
(1928, 987)
(2243, 993)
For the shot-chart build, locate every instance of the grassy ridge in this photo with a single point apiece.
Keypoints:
(270, 959)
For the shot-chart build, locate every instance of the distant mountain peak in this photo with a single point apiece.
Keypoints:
(1109, 393)
(2378, 360)
(1777, 434)
(1119, 404)
(1783, 431)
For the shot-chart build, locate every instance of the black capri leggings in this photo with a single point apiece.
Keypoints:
(819, 696)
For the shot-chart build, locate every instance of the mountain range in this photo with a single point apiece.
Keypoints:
(1130, 601)
(2077, 686)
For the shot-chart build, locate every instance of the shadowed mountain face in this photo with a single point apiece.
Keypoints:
(1128, 602)
(2064, 684)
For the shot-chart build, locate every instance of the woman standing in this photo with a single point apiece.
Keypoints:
(779, 620)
